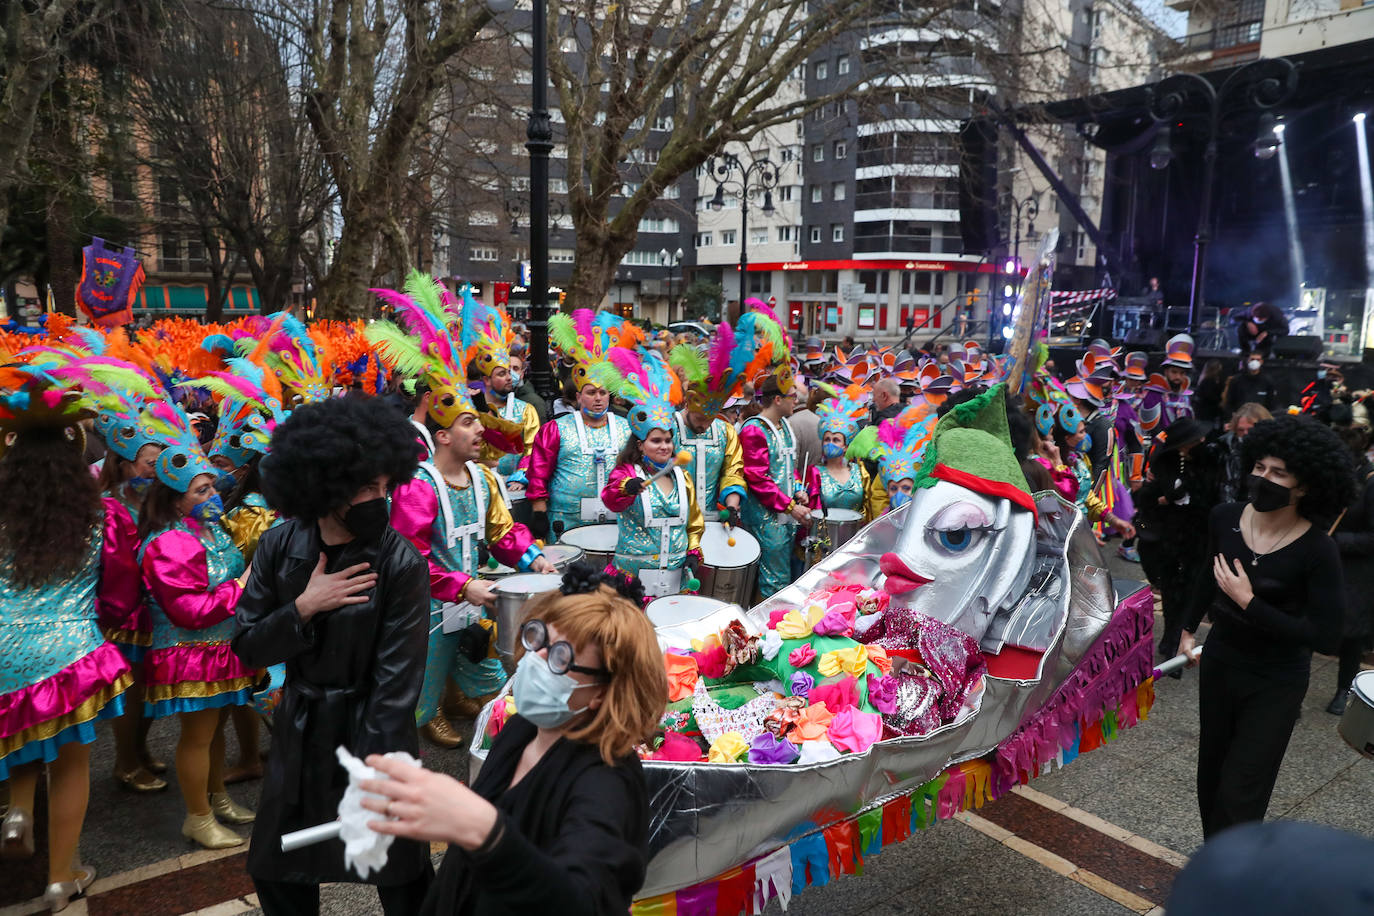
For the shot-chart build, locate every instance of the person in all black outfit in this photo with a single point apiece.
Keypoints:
(557, 820)
(1276, 595)
(1354, 536)
(1251, 386)
(343, 600)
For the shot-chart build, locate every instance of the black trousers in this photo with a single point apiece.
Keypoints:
(287, 898)
(1245, 721)
(1175, 572)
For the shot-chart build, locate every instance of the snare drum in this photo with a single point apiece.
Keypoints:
(596, 541)
(727, 573)
(512, 594)
(841, 525)
(560, 555)
(673, 610)
(1357, 723)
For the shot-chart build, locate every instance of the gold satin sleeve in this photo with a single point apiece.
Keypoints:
(499, 521)
(246, 525)
(696, 522)
(1095, 507)
(529, 424)
(876, 501)
(732, 468)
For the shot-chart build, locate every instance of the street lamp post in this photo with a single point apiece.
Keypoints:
(1261, 84)
(1031, 208)
(540, 144)
(671, 260)
(760, 176)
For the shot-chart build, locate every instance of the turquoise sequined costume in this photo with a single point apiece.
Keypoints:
(849, 495)
(770, 470)
(566, 468)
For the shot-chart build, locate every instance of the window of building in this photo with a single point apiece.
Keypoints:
(561, 255)
(789, 233)
(558, 186)
(842, 65)
(672, 192)
(840, 149)
(663, 123)
(836, 232)
(818, 153)
(758, 236)
(483, 254)
(481, 218)
(815, 234)
(822, 70)
(170, 255)
(728, 236)
(817, 195)
(786, 192)
(787, 154)
(630, 188)
(658, 224)
(760, 281)
(704, 240)
(837, 191)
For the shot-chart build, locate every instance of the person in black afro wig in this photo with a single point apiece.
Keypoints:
(326, 452)
(1314, 454)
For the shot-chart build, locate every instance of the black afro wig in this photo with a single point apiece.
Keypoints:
(326, 452)
(1314, 454)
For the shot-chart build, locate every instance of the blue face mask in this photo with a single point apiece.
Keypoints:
(225, 483)
(139, 485)
(208, 511)
(542, 696)
(515, 379)
(1086, 445)
(900, 498)
(832, 449)
(655, 465)
(594, 414)
(1321, 373)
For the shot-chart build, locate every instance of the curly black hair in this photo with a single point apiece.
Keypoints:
(326, 452)
(582, 577)
(49, 507)
(1314, 454)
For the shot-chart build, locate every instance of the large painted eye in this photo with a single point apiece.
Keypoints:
(956, 541)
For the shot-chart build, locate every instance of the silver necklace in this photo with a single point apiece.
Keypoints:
(1255, 555)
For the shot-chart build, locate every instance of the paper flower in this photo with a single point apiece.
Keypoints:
(873, 601)
(838, 621)
(802, 656)
(855, 730)
(843, 694)
(812, 725)
(853, 660)
(728, 748)
(775, 616)
(878, 656)
(682, 675)
(772, 645)
(768, 748)
(677, 747)
(882, 693)
(712, 663)
(818, 752)
(798, 624)
(802, 683)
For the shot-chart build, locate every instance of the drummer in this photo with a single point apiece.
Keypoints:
(842, 482)
(776, 503)
(571, 459)
(659, 519)
(452, 511)
(717, 464)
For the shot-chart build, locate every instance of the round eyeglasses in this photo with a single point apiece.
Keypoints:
(534, 635)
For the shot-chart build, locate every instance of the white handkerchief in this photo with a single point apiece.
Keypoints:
(365, 850)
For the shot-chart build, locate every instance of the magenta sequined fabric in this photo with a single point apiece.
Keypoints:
(952, 658)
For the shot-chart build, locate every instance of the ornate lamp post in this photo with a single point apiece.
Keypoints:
(1261, 84)
(756, 179)
(671, 260)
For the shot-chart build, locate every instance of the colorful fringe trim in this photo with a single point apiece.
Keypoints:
(1114, 679)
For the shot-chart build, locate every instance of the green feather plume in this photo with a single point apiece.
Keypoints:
(117, 378)
(398, 348)
(562, 332)
(864, 444)
(691, 361)
(772, 332)
(610, 378)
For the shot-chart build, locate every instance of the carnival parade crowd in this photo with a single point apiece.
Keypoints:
(269, 521)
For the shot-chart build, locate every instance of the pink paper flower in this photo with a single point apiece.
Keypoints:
(854, 730)
(801, 656)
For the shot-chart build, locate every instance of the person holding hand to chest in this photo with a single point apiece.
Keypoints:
(343, 600)
(1278, 595)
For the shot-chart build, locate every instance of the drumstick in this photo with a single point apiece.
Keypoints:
(297, 839)
(1178, 661)
(729, 535)
(681, 459)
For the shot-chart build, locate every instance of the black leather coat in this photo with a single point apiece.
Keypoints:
(352, 678)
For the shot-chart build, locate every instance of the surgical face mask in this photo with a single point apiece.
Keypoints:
(900, 498)
(1084, 445)
(515, 380)
(1253, 365)
(1321, 373)
(367, 521)
(542, 696)
(208, 511)
(1267, 496)
(832, 449)
(139, 485)
(594, 414)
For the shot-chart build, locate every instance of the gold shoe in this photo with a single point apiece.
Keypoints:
(439, 731)
(153, 765)
(16, 834)
(208, 832)
(61, 893)
(140, 780)
(228, 811)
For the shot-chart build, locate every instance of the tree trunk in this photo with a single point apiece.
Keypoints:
(63, 275)
(343, 292)
(594, 266)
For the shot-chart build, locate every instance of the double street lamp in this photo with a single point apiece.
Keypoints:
(671, 260)
(755, 180)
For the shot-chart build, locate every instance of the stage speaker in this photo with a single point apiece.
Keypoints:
(978, 185)
(1297, 347)
(1144, 339)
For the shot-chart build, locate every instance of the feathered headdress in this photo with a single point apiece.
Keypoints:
(37, 403)
(302, 362)
(844, 413)
(491, 325)
(250, 409)
(902, 442)
(759, 324)
(587, 337)
(182, 460)
(732, 358)
(425, 348)
(643, 378)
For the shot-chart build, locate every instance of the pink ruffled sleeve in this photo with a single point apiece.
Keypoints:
(174, 572)
(1064, 480)
(813, 488)
(414, 507)
(614, 495)
(119, 601)
(754, 444)
(538, 465)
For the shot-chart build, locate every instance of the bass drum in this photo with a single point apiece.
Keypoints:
(596, 541)
(728, 571)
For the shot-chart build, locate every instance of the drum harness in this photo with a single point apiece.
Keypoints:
(453, 614)
(665, 526)
(699, 450)
(599, 459)
(789, 454)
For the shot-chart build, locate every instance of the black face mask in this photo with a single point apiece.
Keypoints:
(1267, 496)
(368, 521)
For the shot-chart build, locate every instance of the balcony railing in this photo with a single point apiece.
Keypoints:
(876, 244)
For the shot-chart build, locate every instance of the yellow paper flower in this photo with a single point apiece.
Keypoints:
(878, 655)
(797, 623)
(853, 660)
(728, 748)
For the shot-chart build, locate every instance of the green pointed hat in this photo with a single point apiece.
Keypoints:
(972, 448)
